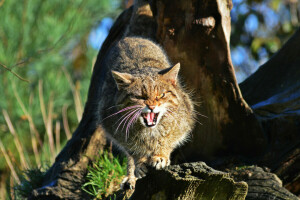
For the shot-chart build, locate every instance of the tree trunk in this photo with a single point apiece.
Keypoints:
(196, 34)
(274, 93)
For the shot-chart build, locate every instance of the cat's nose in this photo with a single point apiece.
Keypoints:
(151, 107)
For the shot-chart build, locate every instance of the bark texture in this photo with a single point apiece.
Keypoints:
(262, 184)
(274, 92)
(189, 181)
(198, 181)
(196, 34)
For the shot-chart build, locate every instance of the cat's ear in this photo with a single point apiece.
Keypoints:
(122, 79)
(171, 73)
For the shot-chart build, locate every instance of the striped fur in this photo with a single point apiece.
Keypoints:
(139, 75)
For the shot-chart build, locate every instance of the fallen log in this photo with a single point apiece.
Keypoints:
(188, 181)
(196, 180)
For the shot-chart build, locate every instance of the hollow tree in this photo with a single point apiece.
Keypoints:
(197, 34)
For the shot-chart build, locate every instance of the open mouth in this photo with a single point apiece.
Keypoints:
(150, 119)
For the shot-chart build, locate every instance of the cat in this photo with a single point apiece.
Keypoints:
(143, 107)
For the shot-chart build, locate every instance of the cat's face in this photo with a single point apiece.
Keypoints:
(148, 99)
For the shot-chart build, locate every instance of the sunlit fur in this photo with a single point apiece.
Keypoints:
(176, 109)
(136, 77)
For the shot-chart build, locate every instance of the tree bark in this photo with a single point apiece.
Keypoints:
(274, 92)
(262, 184)
(189, 181)
(196, 34)
(198, 181)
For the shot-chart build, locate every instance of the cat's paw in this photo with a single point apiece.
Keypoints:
(128, 183)
(159, 162)
(140, 170)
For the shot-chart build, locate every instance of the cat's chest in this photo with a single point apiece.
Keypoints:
(148, 141)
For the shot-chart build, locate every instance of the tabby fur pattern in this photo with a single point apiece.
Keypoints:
(143, 107)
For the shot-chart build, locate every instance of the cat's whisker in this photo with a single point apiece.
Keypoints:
(170, 112)
(197, 103)
(114, 106)
(197, 121)
(171, 115)
(122, 117)
(131, 122)
(197, 113)
(127, 116)
(122, 110)
(118, 121)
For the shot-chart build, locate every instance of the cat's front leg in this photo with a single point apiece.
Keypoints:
(130, 180)
(140, 168)
(159, 161)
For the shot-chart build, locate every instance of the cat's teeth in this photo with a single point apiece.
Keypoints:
(150, 118)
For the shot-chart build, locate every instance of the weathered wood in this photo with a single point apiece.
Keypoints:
(198, 181)
(262, 185)
(188, 181)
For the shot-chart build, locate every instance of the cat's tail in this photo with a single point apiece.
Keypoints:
(142, 22)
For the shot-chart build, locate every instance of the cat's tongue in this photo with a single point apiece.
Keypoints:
(150, 118)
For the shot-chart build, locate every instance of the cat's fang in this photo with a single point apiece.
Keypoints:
(150, 119)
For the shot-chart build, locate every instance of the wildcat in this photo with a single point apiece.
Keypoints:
(143, 108)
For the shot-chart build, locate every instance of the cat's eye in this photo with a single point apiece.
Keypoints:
(161, 96)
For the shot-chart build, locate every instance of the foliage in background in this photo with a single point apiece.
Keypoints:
(45, 42)
(259, 29)
(104, 176)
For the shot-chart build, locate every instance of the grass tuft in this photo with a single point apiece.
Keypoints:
(104, 176)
